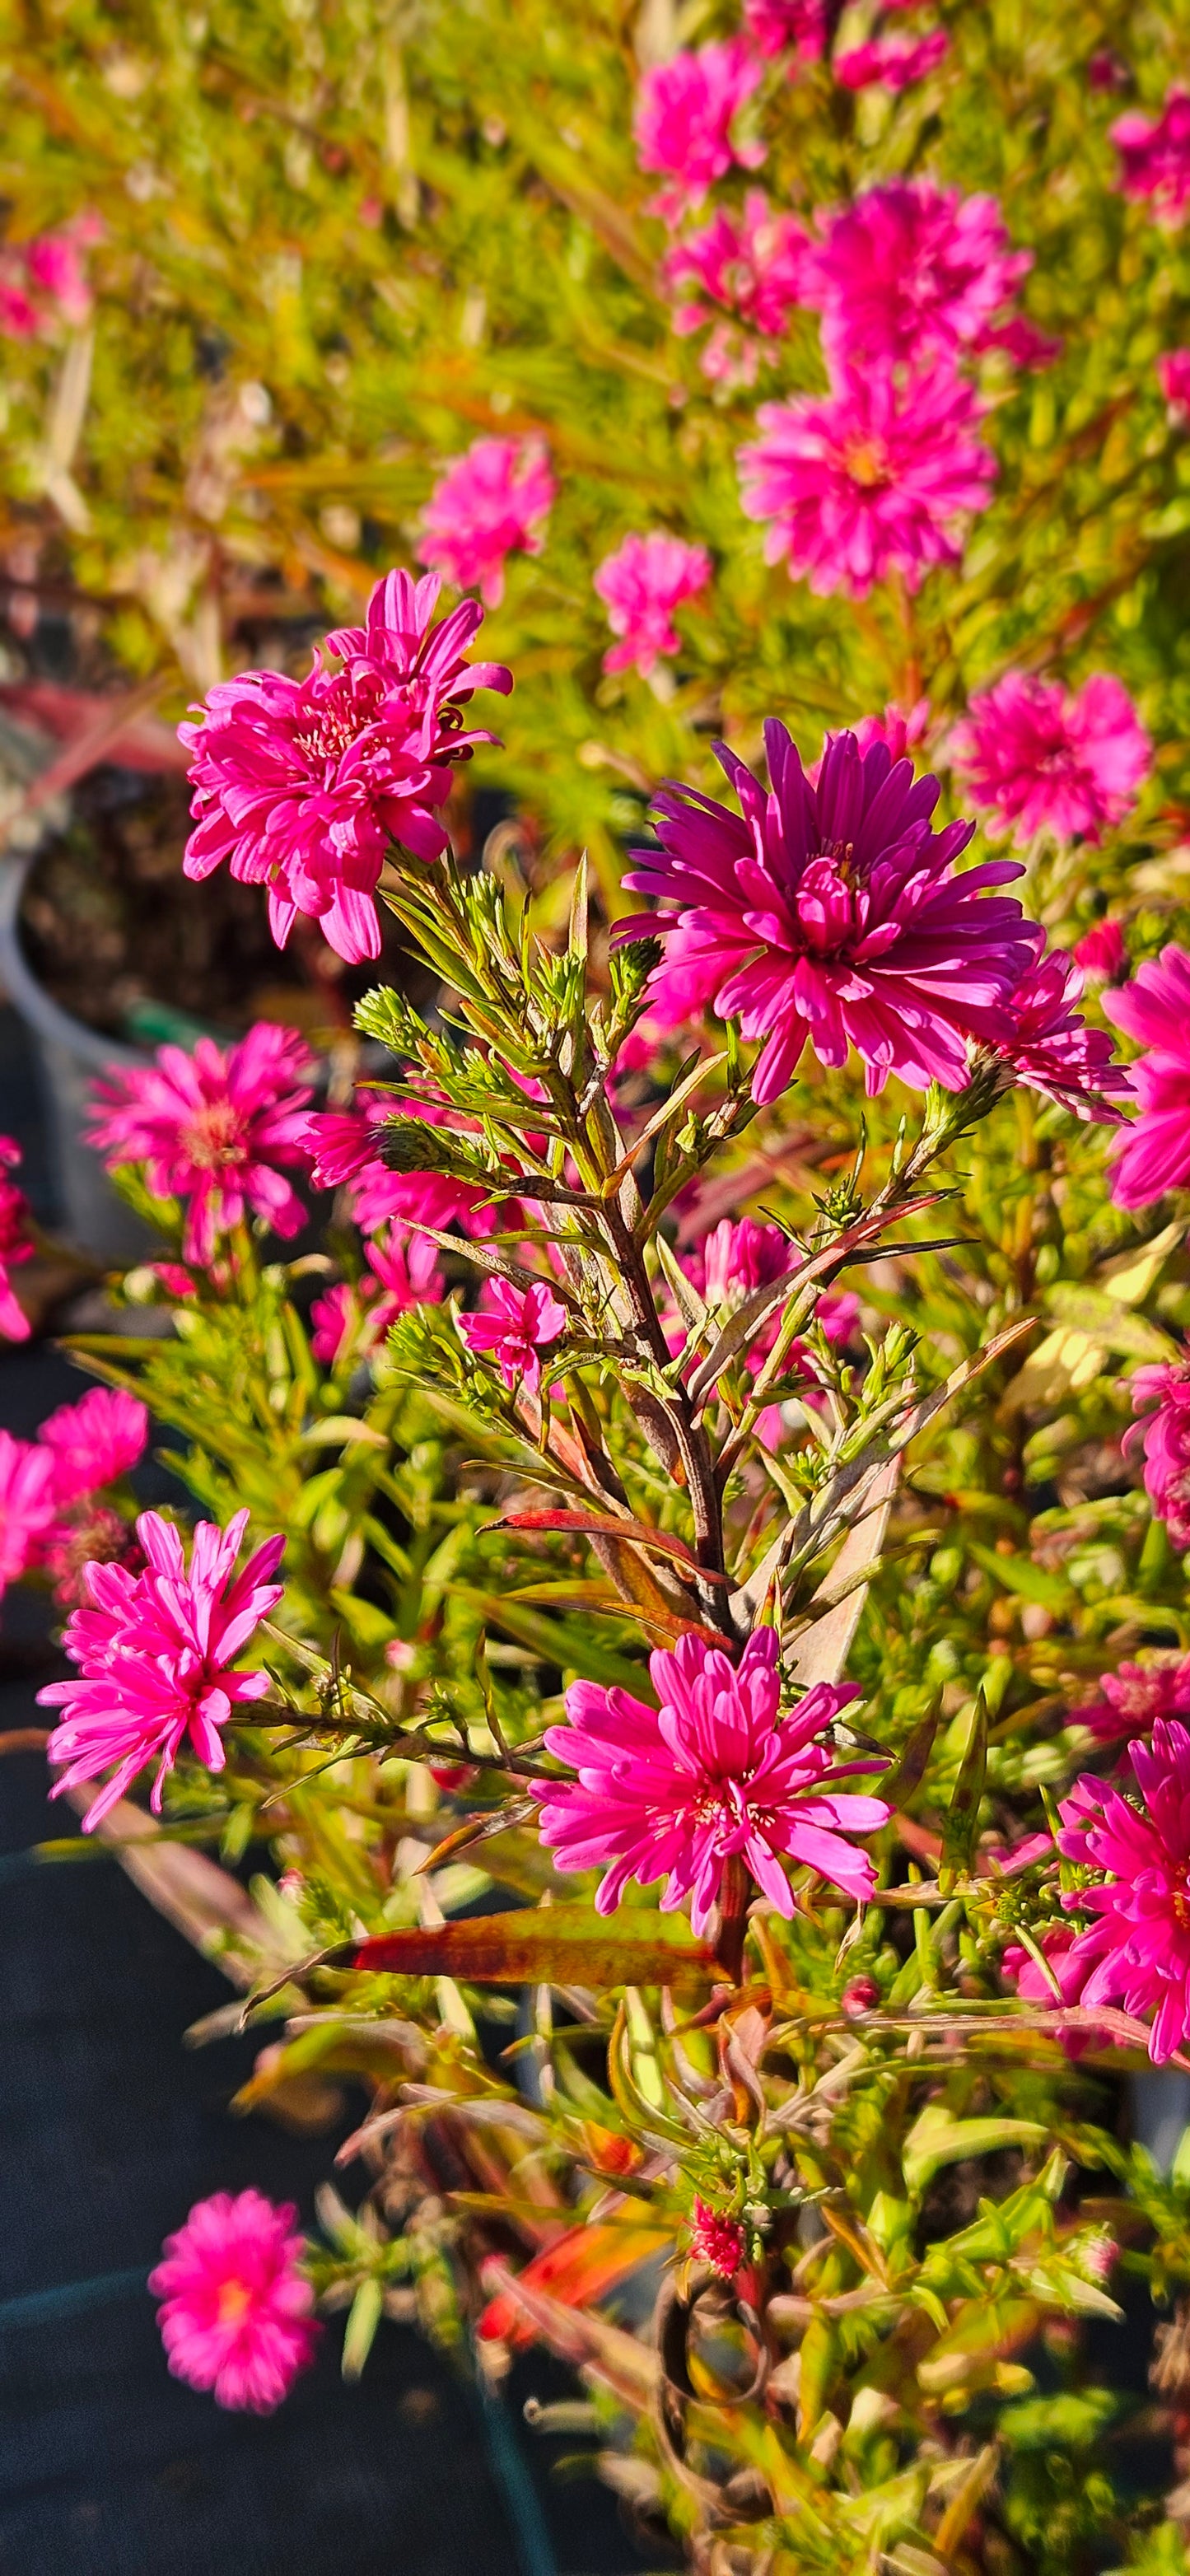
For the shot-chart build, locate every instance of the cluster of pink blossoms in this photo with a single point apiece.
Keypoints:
(832, 915)
(1133, 1698)
(16, 1243)
(50, 1519)
(641, 585)
(236, 2312)
(43, 282)
(212, 1128)
(303, 785)
(1155, 157)
(713, 1773)
(402, 1271)
(492, 502)
(1041, 759)
(156, 1654)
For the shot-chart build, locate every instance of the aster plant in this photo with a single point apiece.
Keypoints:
(687, 1609)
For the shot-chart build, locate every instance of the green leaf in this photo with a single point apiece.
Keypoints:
(937, 2139)
(367, 2308)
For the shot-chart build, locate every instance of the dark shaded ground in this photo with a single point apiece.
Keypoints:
(111, 2129)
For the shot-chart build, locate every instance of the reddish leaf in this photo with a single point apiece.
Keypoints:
(566, 1945)
(592, 1525)
(577, 2268)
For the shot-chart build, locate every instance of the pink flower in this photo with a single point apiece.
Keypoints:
(837, 1315)
(27, 1507)
(875, 477)
(860, 1995)
(519, 1323)
(1139, 1944)
(716, 2241)
(94, 1442)
(156, 1654)
(752, 266)
(402, 1272)
(236, 2313)
(899, 728)
(1023, 341)
(493, 501)
(835, 915)
(1101, 950)
(1155, 156)
(1105, 71)
(675, 1792)
(911, 270)
(342, 1148)
(1164, 1391)
(783, 26)
(893, 62)
(15, 1243)
(1136, 1697)
(1050, 1047)
(1045, 760)
(305, 785)
(683, 118)
(44, 280)
(1154, 1155)
(640, 585)
(1173, 376)
(211, 1128)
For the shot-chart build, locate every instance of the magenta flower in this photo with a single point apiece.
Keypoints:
(892, 62)
(1101, 951)
(27, 1506)
(492, 502)
(1139, 1944)
(211, 1129)
(752, 266)
(685, 110)
(342, 1149)
(94, 1442)
(716, 2241)
(899, 727)
(1163, 1392)
(675, 1792)
(1136, 1696)
(1173, 376)
(237, 2309)
(1155, 156)
(1050, 1047)
(402, 1272)
(45, 280)
(788, 26)
(519, 1323)
(836, 916)
(1154, 1155)
(16, 1243)
(1044, 760)
(910, 271)
(641, 585)
(305, 785)
(875, 477)
(156, 1656)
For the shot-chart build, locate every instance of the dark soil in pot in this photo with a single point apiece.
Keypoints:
(121, 939)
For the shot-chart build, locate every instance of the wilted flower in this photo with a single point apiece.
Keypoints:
(875, 477)
(1154, 1155)
(1155, 156)
(211, 1129)
(27, 1507)
(782, 26)
(94, 1442)
(1136, 1696)
(684, 113)
(892, 62)
(237, 2310)
(716, 2241)
(492, 502)
(911, 270)
(304, 785)
(1045, 760)
(752, 265)
(1163, 1392)
(519, 1323)
(1050, 1047)
(1139, 1944)
(641, 585)
(156, 1656)
(402, 1272)
(1101, 950)
(15, 1242)
(715, 1772)
(836, 917)
(1173, 376)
